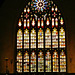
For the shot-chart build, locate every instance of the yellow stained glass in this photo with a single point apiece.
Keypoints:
(19, 62)
(40, 38)
(33, 62)
(33, 38)
(62, 62)
(55, 62)
(19, 39)
(40, 62)
(62, 38)
(26, 39)
(48, 61)
(47, 38)
(26, 62)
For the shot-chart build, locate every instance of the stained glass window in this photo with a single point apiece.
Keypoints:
(19, 39)
(55, 62)
(26, 62)
(48, 61)
(33, 38)
(62, 62)
(62, 38)
(40, 39)
(26, 39)
(33, 62)
(48, 38)
(19, 62)
(41, 43)
(54, 38)
(40, 62)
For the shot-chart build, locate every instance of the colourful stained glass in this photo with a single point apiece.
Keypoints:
(28, 23)
(19, 39)
(40, 62)
(47, 38)
(55, 62)
(62, 62)
(19, 61)
(26, 62)
(33, 62)
(48, 62)
(47, 22)
(38, 22)
(56, 22)
(20, 23)
(24, 23)
(33, 22)
(54, 38)
(40, 38)
(42, 23)
(26, 39)
(52, 22)
(61, 21)
(62, 38)
(33, 38)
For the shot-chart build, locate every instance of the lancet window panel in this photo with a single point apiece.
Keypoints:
(48, 61)
(26, 61)
(19, 62)
(33, 62)
(40, 61)
(62, 61)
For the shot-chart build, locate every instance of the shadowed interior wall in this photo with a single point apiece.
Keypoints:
(9, 14)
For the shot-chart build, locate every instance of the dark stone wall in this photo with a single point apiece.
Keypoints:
(10, 11)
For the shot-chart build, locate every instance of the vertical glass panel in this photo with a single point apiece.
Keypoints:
(19, 62)
(38, 22)
(61, 21)
(26, 39)
(33, 22)
(48, 62)
(62, 38)
(28, 23)
(54, 38)
(52, 22)
(33, 62)
(55, 62)
(33, 38)
(47, 38)
(47, 22)
(56, 22)
(42, 23)
(40, 38)
(24, 23)
(62, 62)
(20, 23)
(19, 39)
(26, 62)
(40, 62)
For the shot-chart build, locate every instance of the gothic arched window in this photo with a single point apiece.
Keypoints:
(41, 44)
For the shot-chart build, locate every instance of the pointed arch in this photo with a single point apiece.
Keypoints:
(41, 38)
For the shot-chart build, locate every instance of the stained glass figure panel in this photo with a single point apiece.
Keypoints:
(40, 62)
(48, 62)
(26, 62)
(55, 62)
(62, 38)
(19, 62)
(19, 39)
(33, 38)
(47, 38)
(33, 62)
(62, 62)
(26, 39)
(40, 38)
(54, 38)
